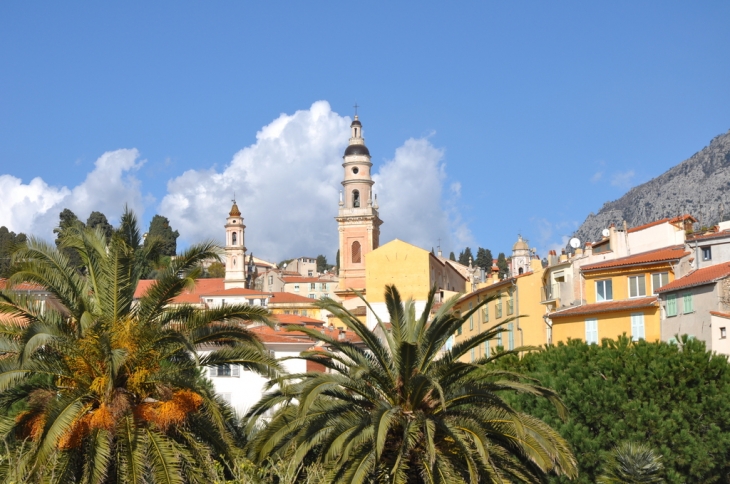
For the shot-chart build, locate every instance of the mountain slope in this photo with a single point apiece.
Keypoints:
(699, 186)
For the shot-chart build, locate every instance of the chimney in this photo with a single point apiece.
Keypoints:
(563, 256)
(589, 249)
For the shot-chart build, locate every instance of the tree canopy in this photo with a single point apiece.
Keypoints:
(98, 219)
(160, 229)
(99, 388)
(673, 398)
(9, 241)
(403, 409)
(465, 256)
(484, 259)
(502, 265)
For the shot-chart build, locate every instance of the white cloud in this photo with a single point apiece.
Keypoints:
(33, 208)
(597, 177)
(287, 185)
(623, 179)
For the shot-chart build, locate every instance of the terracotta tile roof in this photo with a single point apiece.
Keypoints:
(652, 256)
(296, 319)
(674, 221)
(270, 335)
(235, 291)
(295, 279)
(606, 307)
(698, 277)
(289, 298)
(720, 314)
(191, 296)
(23, 286)
(706, 236)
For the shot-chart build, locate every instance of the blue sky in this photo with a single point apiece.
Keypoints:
(484, 120)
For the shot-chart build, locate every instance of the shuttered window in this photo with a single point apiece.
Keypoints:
(687, 303)
(637, 326)
(510, 336)
(591, 331)
(671, 305)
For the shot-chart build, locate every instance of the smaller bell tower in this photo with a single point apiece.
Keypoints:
(235, 249)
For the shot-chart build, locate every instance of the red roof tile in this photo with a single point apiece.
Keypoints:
(191, 296)
(606, 307)
(698, 277)
(296, 319)
(289, 298)
(235, 291)
(674, 220)
(705, 236)
(659, 255)
(720, 314)
(23, 286)
(290, 279)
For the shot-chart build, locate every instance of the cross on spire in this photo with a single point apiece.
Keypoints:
(356, 106)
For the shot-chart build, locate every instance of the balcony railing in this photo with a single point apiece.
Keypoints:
(550, 293)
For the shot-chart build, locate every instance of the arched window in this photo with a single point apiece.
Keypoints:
(234, 239)
(356, 198)
(521, 270)
(356, 255)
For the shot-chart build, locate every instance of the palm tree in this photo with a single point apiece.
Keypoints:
(402, 409)
(96, 387)
(633, 463)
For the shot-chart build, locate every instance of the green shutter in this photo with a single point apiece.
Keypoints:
(688, 307)
(671, 305)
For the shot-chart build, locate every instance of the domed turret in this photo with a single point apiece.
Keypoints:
(520, 245)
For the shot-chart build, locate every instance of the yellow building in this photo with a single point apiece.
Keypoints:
(414, 271)
(620, 298)
(517, 296)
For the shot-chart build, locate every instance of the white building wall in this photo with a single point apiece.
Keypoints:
(381, 310)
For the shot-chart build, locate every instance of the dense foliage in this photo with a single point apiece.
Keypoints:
(161, 232)
(676, 399)
(402, 409)
(96, 387)
(484, 259)
(9, 241)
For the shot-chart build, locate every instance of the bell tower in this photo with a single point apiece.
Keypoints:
(235, 249)
(358, 220)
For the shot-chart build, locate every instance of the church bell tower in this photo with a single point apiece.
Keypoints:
(235, 249)
(358, 220)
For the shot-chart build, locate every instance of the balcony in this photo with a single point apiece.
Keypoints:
(549, 293)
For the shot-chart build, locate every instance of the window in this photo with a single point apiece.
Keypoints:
(486, 312)
(604, 290)
(310, 273)
(510, 307)
(233, 238)
(224, 371)
(296, 287)
(706, 253)
(498, 310)
(271, 280)
(658, 280)
(637, 326)
(458, 331)
(499, 340)
(312, 286)
(472, 354)
(304, 312)
(312, 296)
(486, 349)
(356, 198)
(687, 303)
(510, 337)
(326, 295)
(671, 305)
(471, 320)
(296, 312)
(324, 286)
(592, 331)
(356, 257)
(286, 311)
(723, 333)
(637, 286)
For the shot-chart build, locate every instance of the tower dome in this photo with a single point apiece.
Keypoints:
(235, 212)
(520, 244)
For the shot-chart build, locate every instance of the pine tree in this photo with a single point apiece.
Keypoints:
(67, 221)
(160, 229)
(452, 256)
(484, 259)
(503, 266)
(321, 263)
(465, 256)
(98, 219)
(8, 243)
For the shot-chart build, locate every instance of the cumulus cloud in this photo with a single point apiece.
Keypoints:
(623, 179)
(33, 208)
(287, 183)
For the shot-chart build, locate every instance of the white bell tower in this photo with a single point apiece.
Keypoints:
(235, 249)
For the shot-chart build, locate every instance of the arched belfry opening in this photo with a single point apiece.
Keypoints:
(356, 252)
(234, 239)
(356, 198)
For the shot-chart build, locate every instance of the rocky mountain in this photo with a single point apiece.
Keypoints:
(699, 186)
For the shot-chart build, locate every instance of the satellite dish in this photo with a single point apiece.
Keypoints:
(575, 242)
(605, 232)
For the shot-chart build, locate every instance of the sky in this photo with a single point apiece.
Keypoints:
(484, 120)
